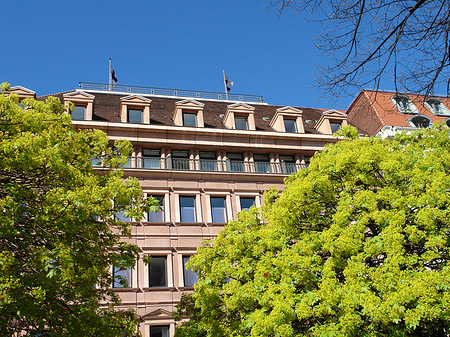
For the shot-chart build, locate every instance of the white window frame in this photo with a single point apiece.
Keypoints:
(443, 109)
(411, 108)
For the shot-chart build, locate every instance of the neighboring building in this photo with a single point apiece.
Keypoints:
(205, 158)
(384, 113)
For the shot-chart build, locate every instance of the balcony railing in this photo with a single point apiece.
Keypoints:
(184, 164)
(171, 92)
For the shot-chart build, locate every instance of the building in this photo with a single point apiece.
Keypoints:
(205, 157)
(384, 113)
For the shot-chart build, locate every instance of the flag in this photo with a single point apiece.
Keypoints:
(112, 76)
(228, 83)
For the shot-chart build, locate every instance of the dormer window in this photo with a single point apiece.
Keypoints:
(189, 118)
(240, 116)
(420, 122)
(79, 113)
(241, 122)
(404, 104)
(331, 121)
(335, 126)
(290, 125)
(135, 109)
(134, 115)
(189, 113)
(436, 106)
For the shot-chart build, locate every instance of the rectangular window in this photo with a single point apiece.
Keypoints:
(335, 126)
(218, 210)
(262, 164)
(208, 161)
(187, 209)
(236, 162)
(189, 119)
(159, 331)
(180, 159)
(78, 112)
(122, 277)
(157, 271)
(134, 116)
(290, 125)
(288, 164)
(246, 203)
(121, 216)
(151, 158)
(241, 122)
(157, 216)
(189, 277)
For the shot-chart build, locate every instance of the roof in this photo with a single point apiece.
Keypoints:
(107, 108)
(372, 110)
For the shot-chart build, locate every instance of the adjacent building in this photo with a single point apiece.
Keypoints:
(382, 113)
(205, 157)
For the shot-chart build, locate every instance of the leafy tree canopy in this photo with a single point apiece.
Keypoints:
(356, 245)
(58, 234)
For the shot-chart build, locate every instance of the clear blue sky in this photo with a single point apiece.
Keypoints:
(49, 46)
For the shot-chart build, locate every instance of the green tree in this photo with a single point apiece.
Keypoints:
(356, 245)
(58, 234)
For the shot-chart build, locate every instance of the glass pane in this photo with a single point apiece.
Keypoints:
(190, 278)
(159, 331)
(121, 216)
(189, 119)
(122, 277)
(157, 216)
(241, 122)
(290, 125)
(335, 126)
(420, 122)
(218, 210)
(246, 203)
(78, 112)
(187, 209)
(134, 116)
(157, 271)
(208, 161)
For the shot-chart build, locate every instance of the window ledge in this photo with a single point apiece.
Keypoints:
(188, 223)
(158, 289)
(126, 290)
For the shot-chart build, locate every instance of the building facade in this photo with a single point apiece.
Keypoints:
(205, 157)
(382, 113)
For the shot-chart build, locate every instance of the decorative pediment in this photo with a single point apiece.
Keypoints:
(78, 96)
(241, 107)
(190, 104)
(157, 314)
(288, 113)
(135, 100)
(22, 92)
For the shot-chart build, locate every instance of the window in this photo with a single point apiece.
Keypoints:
(218, 210)
(262, 164)
(241, 122)
(436, 106)
(134, 116)
(121, 216)
(159, 331)
(447, 122)
(208, 161)
(288, 164)
(290, 125)
(157, 271)
(189, 277)
(180, 159)
(122, 277)
(151, 158)
(236, 162)
(78, 112)
(420, 122)
(246, 203)
(404, 104)
(189, 119)
(187, 209)
(157, 216)
(335, 126)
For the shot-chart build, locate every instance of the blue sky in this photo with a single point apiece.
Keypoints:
(49, 46)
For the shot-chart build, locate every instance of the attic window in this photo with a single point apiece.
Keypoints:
(241, 122)
(190, 118)
(134, 116)
(78, 112)
(420, 122)
(290, 125)
(335, 126)
(266, 119)
(436, 106)
(404, 104)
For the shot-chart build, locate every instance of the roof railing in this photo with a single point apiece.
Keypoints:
(170, 92)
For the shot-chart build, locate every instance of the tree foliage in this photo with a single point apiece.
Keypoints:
(356, 245)
(370, 40)
(58, 234)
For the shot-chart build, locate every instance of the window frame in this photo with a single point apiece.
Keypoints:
(246, 198)
(84, 106)
(225, 213)
(411, 122)
(117, 284)
(161, 212)
(443, 110)
(409, 108)
(190, 271)
(241, 118)
(185, 197)
(166, 276)
(293, 123)
(135, 109)
(192, 114)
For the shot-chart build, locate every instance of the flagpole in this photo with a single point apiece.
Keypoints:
(225, 84)
(109, 76)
